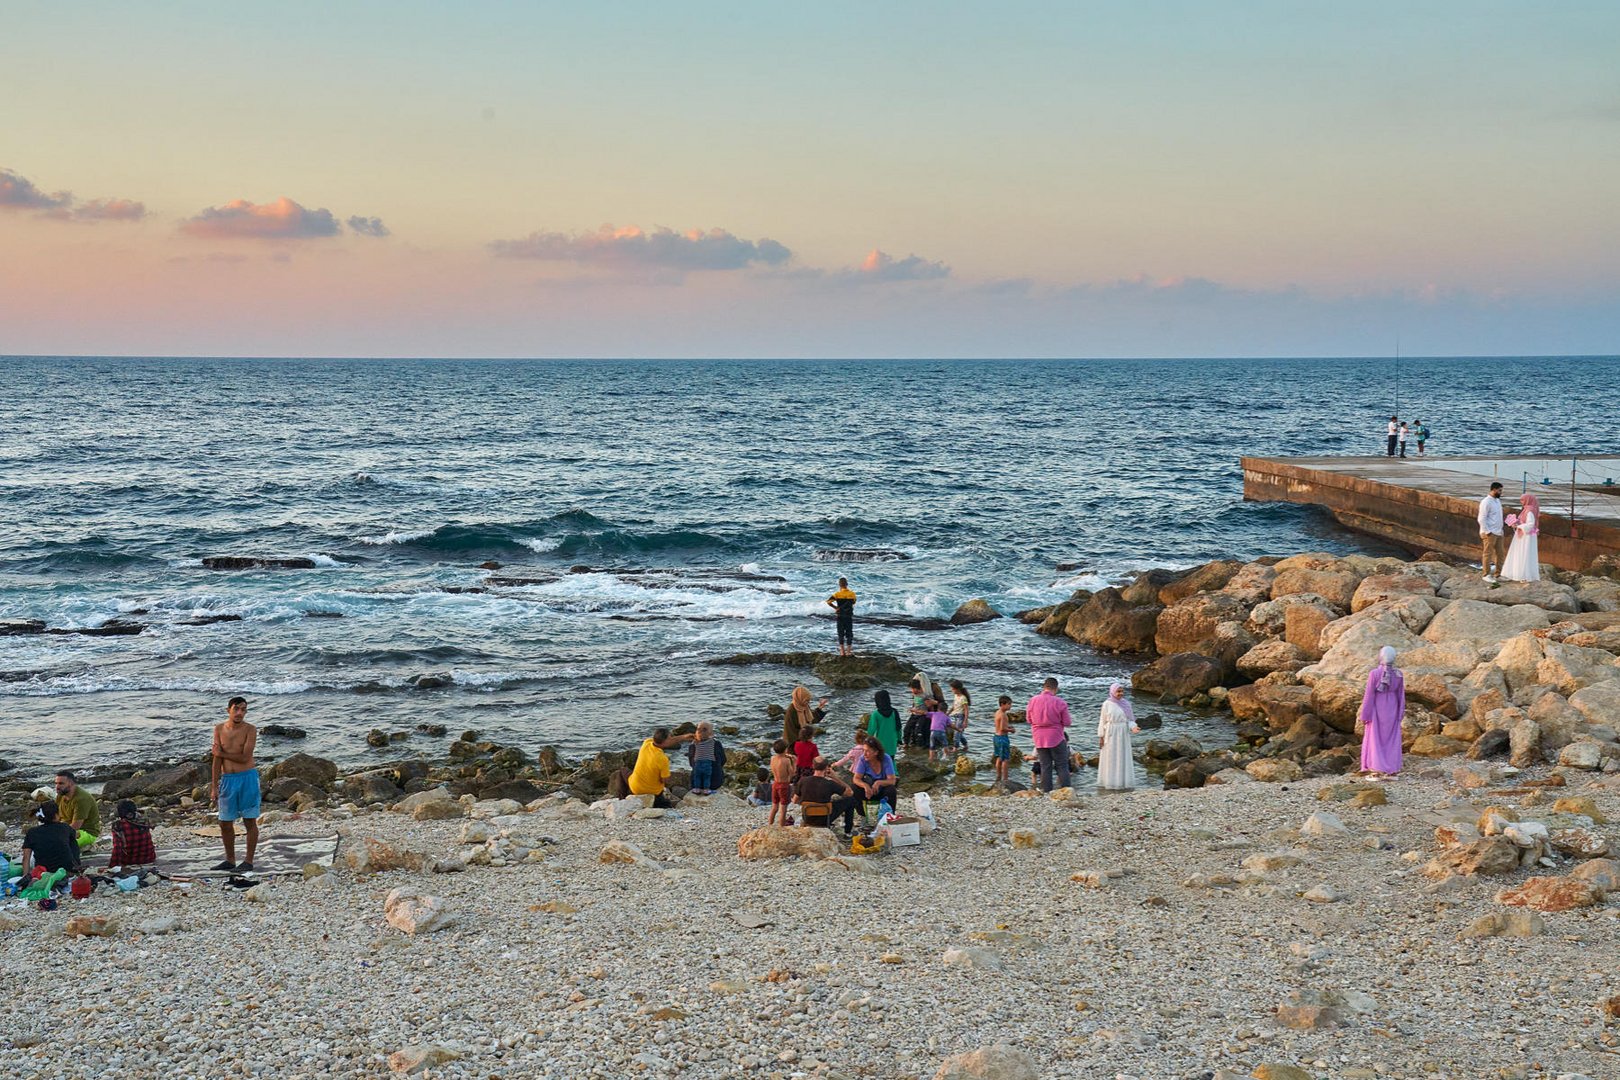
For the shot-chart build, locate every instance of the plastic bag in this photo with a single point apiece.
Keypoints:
(923, 805)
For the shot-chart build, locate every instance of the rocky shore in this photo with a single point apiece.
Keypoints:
(1438, 926)
(1520, 671)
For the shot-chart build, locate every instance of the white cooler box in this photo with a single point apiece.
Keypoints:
(904, 832)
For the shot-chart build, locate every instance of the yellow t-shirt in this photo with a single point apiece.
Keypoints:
(81, 807)
(843, 594)
(652, 769)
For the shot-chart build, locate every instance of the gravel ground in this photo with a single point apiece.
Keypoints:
(568, 967)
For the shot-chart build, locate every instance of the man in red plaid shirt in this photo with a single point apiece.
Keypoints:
(132, 838)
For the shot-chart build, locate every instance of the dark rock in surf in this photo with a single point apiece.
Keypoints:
(209, 620)
(114, 628)
(323, 614)
(1111, 623)
(859, 672)
(861, 555)
(435, 730)
(1179, 676)
(21, 628)
(376, 737)
(490, 564)
(520, 582)
(436, 680)
(243, 562)
(1150, 722)
(974, 611)
(282, 731)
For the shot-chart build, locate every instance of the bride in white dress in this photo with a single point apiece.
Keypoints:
(1523, 560)
(1116, 771)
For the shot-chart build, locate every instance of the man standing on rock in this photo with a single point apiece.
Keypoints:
(1048, 717)
(235, 785)
(843, 603)
(1490, 533)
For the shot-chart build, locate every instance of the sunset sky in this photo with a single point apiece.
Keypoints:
(834, 179)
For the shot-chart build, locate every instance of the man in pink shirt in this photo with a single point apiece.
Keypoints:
(1048, 717)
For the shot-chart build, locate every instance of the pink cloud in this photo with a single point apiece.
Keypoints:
(881, 266)
(17, 192)
(283, 219)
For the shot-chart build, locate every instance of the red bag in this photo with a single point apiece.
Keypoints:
(81, 887)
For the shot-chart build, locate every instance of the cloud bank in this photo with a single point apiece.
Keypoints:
(633, 248)
(367, 226)
(881, 266)
(17, 192)
(240, 219)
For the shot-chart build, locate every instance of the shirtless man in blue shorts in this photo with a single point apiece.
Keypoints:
(235, 787)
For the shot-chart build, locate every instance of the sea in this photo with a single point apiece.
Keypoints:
(647, 517)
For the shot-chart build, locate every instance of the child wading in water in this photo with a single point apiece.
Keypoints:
(783, 768)
(960, 702)
(939, 731)
(1002, 741)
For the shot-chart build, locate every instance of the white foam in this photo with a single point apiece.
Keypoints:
(398, 536)
(541, 545)
(64, 685)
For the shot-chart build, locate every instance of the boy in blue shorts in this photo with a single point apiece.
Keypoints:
(235, 787)
(1001, 742)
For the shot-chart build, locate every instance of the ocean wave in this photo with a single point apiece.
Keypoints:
(543, 545)
(401, 536)
(101, 683)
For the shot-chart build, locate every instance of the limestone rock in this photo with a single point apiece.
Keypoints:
(995, 1062)
(1022, 838)
(1433, 692)
(1270, 618)
(415, 1060)
(1569, 669)
(1436, 746)
(1179, 676)
(90, 926)
(1211, 577)
(622, 852)
(1583, 805)
(1578, 842)
(1524, 743)
(1269, 656)
(1378, 588)
(1303, 625)
(1355, 649)
(369, 855)
(1275, 770)
(1189, 624)
(1512, 924)
(1322, 894)
(1552, 894)
(1483, 624)
(1337, 586)
(1585, 754)
(1599, 703)
(1109, 622)
(1278, 1070)
(1487, 855)
(1544, 594)
(435, 804)
(412, 912)
(774, 842)
(972, 956)
(1251, 584)
(1604, 873)
(1323, 825)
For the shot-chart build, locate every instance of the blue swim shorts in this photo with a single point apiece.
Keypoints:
(239, 795)
(939, 740)
(1001, 747)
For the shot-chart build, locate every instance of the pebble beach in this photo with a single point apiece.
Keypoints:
(1218, 932)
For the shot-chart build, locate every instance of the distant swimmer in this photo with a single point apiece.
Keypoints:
(843, 602)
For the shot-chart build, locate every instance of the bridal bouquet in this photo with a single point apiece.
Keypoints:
(1512, 520)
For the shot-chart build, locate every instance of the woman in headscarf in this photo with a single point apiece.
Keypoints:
(800, 714)
(1116, 771)
(883, 722)
(1523, 562)
(1379, 722)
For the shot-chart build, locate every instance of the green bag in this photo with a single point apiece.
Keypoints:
(40, 889)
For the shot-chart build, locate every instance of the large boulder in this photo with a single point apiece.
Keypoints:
(1269, 656)
(1599, 703)
(1284, 706)
(1303, 625)
(1337, 701)
(1381, 587)
(1145, 589)
(1207, 578)
(1483, 625)
(1337, 586)
(1548, 595)
(1451, 659)
(314, 770)
(1559, 721)
(1111, 624)
(1355, 650)
(1570, 668)
(1055, 619)
(1270, 617)
(974, 611)
(178, 780)
(1487, 855)
(1179, 676)
(1519, 658)
(1433, 692)
(1189, 625)
(1252, 583)
(1597, 594)
(774, 842)
(413, 912)
(1553, 894)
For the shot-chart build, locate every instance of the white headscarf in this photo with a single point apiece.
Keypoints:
(1121, 704)
(1386, 664)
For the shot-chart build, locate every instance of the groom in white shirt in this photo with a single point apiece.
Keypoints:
(1490, 532)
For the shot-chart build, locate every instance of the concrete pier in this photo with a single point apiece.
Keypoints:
(1429, 504)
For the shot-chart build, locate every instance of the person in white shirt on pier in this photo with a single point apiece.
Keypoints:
(1490, 532)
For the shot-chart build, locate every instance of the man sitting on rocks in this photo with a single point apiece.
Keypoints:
(821, 786)
(77, 808)
(50, 845)
(652, 765)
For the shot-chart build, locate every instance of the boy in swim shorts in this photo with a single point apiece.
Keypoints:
(783, 768)
(235, 787)
(1001, 742)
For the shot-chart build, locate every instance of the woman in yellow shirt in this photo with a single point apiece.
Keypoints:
(652, 765)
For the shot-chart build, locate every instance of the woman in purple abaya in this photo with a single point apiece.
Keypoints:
(1382, 707)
